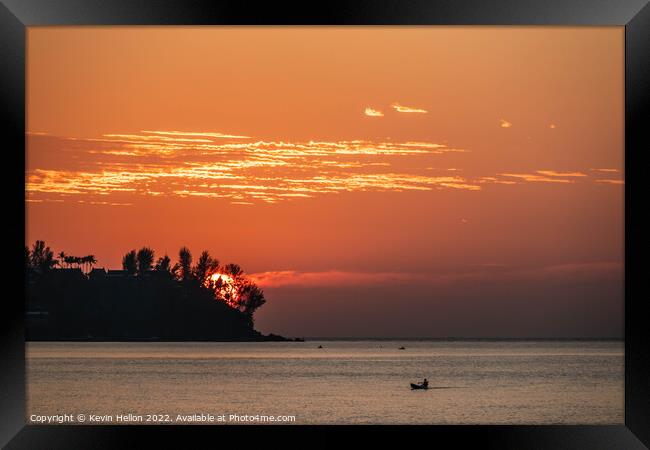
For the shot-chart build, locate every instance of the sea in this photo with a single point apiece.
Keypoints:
(355, 381)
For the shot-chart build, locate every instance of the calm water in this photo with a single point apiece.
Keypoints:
(346, 382)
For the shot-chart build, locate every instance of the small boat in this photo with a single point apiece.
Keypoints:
(402, 348)
(418, 386)
(320, 346)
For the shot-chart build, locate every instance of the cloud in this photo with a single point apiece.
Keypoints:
(552, 173)
(373, 113)
(540, 176)
(545, 176)
(205, 165)
(190, 133)
(505, 123)
(477, 272)
(495, 180)
(329, 278)
(610, 181)
(535, 178)
(212, 166)
(578, 271)
(105, 203)
(606, 170)
(139, 137)
(408, 109)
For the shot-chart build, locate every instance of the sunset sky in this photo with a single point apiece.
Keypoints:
(375, 181)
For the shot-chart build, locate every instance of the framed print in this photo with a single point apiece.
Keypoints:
(363, 217)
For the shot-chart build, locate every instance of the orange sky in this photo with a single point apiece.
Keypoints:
(395, 181)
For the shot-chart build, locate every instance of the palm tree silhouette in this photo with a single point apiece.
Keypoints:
(87, 262)
(42, 258)
(129, 262)
(144, 259)
(62, 257)
(91, 261)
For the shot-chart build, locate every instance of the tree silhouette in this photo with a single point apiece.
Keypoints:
(62, 257)
(205, 267)
(163, 266)
(222, 307)
(185, 262)
(250, 298)
(69, 260)
(28, 262)
(88, 262)
(144, 259)
(129, 262)
(42, 258)
(233, 270)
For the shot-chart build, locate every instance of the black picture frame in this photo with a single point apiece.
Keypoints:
(634, 15)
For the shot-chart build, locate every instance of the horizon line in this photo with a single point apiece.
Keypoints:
(465, 338)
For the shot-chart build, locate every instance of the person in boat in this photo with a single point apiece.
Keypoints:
(425, 384)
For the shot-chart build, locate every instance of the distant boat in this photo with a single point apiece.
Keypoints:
(418, 386)
(320, 346)
(402, 348)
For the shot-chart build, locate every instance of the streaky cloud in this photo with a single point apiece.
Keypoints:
(329, 278)
(191, 133)
(479, 272)
(373, 112)
(606, 170)
(180, 164)
(408, 109)
(553, 173)
(536, 178)
(610, 181)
